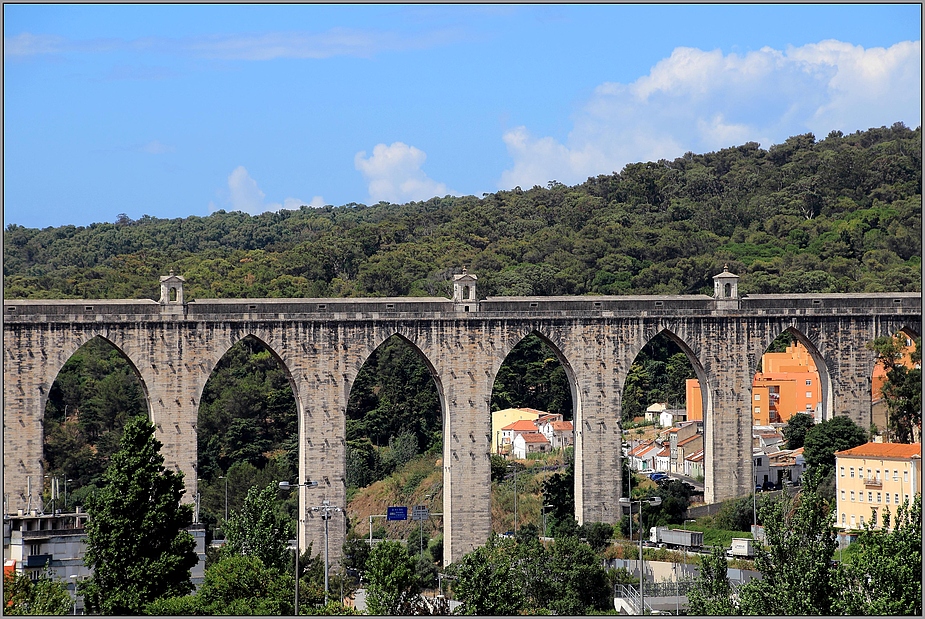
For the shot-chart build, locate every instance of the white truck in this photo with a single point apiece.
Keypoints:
(676, 538)
(742, 547)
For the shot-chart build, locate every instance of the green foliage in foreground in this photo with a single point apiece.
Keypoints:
(509, 577)
(236, 585)
(799, 576)
(44, 596)
(136, 543)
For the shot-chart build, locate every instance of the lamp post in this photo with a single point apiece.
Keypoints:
(545, 507)
(653, 501)
(326, 508)
(285, 485)
(226, 497)
(513, 467)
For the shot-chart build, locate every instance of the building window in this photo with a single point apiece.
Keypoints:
(841, 471)
(895, 475)
(887, 497)
(757, 409)
(758, 462)
(842, 495)
(870, 496)
(905, 476)
(757, 397)
(852, 520)
(809, 394)
(843, 518)
(809, 382)
(852, 496)
(852, 472)
(896, 498)
(879, 500)
(809, 407)
(868, 474)
(862, 521)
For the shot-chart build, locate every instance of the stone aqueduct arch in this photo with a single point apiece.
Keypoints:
(323, 343)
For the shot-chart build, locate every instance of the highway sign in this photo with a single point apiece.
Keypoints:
(420, 512)
(397, 513)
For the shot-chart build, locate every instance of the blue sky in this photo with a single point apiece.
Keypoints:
(178, 110)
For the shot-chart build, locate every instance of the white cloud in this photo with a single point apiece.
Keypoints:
(700, 101)
(244, 195)
(394, 174)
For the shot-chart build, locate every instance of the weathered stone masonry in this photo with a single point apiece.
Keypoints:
(323, 343)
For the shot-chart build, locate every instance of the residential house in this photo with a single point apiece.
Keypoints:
(663, 460)
(529, 442)
(686, 447)
(786, 465)
(670, 416)
(875, 477)
(642, 457)
(654, 411)
(502, 418)
(679, 433)
(513, 430)
(559, 433)
(761, 467)
(693, 464)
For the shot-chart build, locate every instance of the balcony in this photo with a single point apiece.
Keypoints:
(38, 560)
(873, 481)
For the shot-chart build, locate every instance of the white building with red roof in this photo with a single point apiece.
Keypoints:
(528, 443)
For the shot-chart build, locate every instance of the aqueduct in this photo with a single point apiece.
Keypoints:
(174, 344)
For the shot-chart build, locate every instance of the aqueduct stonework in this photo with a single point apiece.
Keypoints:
(322, 343)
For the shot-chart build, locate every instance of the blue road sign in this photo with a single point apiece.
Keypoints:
(397, 513)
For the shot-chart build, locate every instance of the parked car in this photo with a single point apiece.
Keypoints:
(657, 476)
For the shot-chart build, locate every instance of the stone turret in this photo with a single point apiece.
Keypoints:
(726, 289)
(171, 289)
(464, 292)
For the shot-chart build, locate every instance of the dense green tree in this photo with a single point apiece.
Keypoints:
(903, 387)
(394, 394)
(43, 596)
(136, 544)
(259, 529)
(392, 580)
(825, 438)
(797, 427)
(486, 580)
(884, 576)
(798, 575)
(236, 585)
(712, 594)
(578, 580)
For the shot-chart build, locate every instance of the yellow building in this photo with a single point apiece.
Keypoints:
(499, 419)
(873, 477)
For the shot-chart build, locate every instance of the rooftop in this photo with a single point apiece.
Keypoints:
(884, 450)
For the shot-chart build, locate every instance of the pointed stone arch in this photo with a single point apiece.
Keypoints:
(826, 390)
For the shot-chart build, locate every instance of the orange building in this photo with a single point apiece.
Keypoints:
(788, 384)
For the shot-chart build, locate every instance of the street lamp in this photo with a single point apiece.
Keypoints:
(285, 485)
(545, 507)
(226, 498)
(653, 501)
(326, 508)
(514, 468)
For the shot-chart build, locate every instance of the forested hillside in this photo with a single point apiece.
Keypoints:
(842, 214)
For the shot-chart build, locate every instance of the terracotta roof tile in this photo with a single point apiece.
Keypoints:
(884, 450)
(523, 425)
(533, 437)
